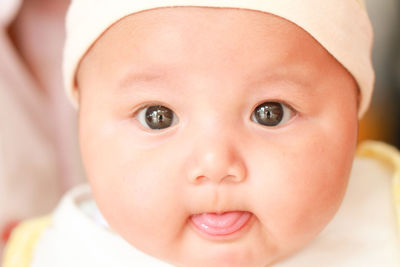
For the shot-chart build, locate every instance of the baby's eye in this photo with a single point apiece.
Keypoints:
(156, 117)
(271, 114)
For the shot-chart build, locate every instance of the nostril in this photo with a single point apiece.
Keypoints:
(218, 179)
(231, 172)
(200, 179)
(215, 162)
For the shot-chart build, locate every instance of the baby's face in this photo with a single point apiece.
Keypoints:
(215, 137)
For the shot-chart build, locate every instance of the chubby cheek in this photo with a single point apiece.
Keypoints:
(134, 188)
(304, 183)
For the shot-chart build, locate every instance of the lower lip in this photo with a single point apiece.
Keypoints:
(221, 224)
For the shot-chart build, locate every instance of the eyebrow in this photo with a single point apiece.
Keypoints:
(139, 77)
(289, 74)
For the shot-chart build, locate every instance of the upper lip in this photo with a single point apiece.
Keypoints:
(220, 211)
(216, 199)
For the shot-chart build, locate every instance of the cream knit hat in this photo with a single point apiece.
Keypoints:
(342, 27)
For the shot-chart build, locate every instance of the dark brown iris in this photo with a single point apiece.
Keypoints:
(269, 113)
(159, 117)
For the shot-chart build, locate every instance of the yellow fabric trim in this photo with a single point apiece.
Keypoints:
(389, 156)
(20, 247)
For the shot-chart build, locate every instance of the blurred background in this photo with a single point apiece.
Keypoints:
(382, 121)
(39, 157)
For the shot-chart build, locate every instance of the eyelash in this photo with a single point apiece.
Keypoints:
(137, 112)
(269, 112)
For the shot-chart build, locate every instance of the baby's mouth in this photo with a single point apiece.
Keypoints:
(221, 224)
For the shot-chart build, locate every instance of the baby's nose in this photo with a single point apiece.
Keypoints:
(216, 161)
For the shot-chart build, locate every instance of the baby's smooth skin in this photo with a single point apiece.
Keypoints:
(211, 80)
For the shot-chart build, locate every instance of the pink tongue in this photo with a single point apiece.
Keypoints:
(222, 220)
(221, 224)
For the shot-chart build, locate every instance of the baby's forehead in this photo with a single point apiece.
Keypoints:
(173, 40)
(173, 35)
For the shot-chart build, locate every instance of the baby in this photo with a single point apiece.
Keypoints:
(213, 133)
(215, 136)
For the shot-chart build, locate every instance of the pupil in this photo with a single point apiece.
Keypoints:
(269, 113)
(159, 117)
